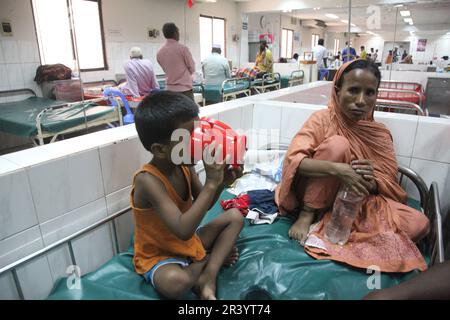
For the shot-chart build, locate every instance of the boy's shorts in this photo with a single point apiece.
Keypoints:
(148, 276)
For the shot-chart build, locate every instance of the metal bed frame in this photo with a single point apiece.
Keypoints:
(401, 85)
(268, 77)
(38, 139)
(410, 92)
(296, 78)
(396, 105)
(202, 92)
(234, 94)
(428, 199)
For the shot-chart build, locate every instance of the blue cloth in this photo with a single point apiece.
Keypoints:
(351, 55)
(148, 276)
(262, 200)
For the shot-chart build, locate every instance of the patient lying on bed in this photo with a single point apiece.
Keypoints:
(168, 200)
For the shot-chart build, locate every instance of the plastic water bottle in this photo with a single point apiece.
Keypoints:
(346, 206)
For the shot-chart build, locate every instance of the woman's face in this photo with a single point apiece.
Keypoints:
(358, 94)
(262, 47)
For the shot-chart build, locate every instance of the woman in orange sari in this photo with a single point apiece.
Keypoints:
(344, 145)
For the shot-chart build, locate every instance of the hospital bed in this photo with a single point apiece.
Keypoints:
(399, 107)
(230, 88)
(295, 78)
(268, 81)
(198, 88)
(268, 261)
(41, 118)
(401, 91)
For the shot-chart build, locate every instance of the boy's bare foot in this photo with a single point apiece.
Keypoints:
(206, 287)
(300, 228)
(232, 258)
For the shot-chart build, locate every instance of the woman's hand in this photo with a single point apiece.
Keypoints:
(349, 177)
(364, 168)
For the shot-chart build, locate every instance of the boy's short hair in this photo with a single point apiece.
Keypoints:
(160, 113)
(169, 30)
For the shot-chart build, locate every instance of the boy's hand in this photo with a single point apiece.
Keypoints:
(232, 173)
(214, 164)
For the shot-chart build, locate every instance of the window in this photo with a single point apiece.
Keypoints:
(336, 46)
(212, 31)
(314, 40)
(287, 38)
(56, 41)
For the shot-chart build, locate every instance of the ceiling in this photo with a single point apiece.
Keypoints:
(428, 16)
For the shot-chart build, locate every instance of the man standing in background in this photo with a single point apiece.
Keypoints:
(363, 53)
(320, 53)
(348, 53)
(176, 61)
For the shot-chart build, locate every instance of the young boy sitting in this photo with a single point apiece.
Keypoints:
(169, 202)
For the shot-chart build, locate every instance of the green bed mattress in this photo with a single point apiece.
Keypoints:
(269, 260)
(19, 117)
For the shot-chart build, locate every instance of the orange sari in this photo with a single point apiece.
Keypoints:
(382, 231)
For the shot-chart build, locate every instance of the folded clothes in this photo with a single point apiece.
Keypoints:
(240, 202)
(257, 217)
(263, 200)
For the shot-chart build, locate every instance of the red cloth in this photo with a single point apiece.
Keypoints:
(240, 202)
(190, 3)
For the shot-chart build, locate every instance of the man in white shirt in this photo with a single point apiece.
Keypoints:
(141, 79)
(215, 67)
(320, 53)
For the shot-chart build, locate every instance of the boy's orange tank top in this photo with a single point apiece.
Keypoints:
(153, 241)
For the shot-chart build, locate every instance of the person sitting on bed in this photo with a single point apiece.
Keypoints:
(141, 79)
(169, 203)
(344, 145)
(264, 59)
(216, 68)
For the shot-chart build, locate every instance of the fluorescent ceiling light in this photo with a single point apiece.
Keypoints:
(346, 21)
(405, 13)
(370, 32)
(411, 23)
(408, 20)
(331, 16)
(398, 6)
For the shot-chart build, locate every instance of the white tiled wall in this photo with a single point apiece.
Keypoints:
(18, 63)
(65, 184)
(403, 129)
(16, 204)
(437, 131)
(119, 161)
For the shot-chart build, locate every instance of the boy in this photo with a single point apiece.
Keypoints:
(169, 202)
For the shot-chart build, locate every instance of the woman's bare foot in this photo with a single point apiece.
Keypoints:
(232, 258)
(300, 228)
(206, 287)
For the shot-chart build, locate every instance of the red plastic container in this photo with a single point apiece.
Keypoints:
(213, 130)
